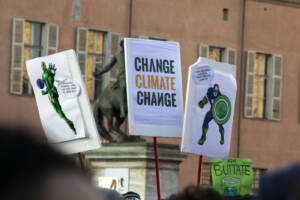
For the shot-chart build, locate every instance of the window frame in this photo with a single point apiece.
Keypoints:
(257, 174)
(94, 56)
(270, 86)
(266, 77)
(33, 47)
(229, 56)
(49, 45)
(108, 52)
(222, 52)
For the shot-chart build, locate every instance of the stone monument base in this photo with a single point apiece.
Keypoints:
(133, 165)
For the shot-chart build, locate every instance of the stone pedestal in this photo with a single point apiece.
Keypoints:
(139, 159)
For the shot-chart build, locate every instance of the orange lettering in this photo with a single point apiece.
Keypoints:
(154, 82)
(138, 76)
(144, 82)
(173, 83)
(167, 80)
(162, 83)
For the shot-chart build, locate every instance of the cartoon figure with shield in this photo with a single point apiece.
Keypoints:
(220, 111)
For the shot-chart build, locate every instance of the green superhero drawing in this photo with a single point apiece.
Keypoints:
(48, 81)
(220, 111)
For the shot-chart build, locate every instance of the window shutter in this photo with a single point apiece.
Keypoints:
(81, 47)
(248, 107)
(274, 89)
(203, 50)
(115, 43)
(17, 57)
(52, 35)
(231, 56)
(114, 47)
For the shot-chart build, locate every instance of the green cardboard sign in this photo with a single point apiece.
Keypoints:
(233, 176)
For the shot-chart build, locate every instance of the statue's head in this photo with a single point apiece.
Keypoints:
(122, 42)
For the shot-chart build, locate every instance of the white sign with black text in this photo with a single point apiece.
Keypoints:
(154, 87)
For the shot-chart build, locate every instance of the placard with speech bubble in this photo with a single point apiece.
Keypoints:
(62, 101)
(209, 110)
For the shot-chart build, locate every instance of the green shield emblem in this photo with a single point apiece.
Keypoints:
(221, 109)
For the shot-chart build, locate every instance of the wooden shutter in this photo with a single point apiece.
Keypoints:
(17, 57)
(82, 47)
(249, 89)
(51, 44)
(203, 50)
(274, 88)
(231, 56)
(114, 44)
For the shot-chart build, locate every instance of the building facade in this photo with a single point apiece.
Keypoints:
(260, 37)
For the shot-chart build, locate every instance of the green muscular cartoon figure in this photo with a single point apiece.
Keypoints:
(48, 81)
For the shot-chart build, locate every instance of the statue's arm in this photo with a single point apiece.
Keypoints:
(106, 68)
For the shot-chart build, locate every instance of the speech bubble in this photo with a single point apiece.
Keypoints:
(203, 75)
(68, 88)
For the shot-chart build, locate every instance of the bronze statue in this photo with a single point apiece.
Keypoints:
(118, 59)
(112, 103)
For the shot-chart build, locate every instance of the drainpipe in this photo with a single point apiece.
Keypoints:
(129, 35)
(241, 76)
(130, 18)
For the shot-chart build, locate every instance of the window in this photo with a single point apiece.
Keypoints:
(220, 54)
(29, 40)
(259, 84)
(95, 48)
(206, 174)
(32, 49)
(217, 54)
(257, 173)
(263, 86)
(225, 14)
(95, 57)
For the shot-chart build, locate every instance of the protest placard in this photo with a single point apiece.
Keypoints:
(154, 87)
(233, 176)
(63, 105)
(210, 101)
(115, 178)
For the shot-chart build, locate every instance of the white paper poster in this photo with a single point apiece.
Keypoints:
(154, 87)
(116, 179)
(62, 101)
(209, 112)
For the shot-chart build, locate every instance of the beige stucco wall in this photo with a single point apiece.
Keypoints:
(269, 27)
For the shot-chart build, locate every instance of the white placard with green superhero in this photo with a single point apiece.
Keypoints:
(210, 101)
(62, 101)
